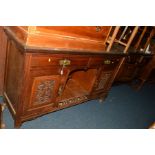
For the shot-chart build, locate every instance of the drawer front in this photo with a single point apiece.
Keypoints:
(96, 61)
(108, 62)
(50, 60)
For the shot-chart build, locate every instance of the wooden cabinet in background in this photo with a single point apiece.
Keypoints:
(147, 74)
(40, 80)
(132, 67)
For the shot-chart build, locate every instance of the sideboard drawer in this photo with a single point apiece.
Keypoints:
(109, 63)
(44, 60)
(96, 61)
(48, 60)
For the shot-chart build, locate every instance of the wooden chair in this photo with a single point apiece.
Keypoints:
(143, 48)
(151, 65)
(111, 39)
(117, 34)
(140, 46)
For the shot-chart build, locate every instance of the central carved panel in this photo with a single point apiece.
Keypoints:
(104, 78)
(44, 91)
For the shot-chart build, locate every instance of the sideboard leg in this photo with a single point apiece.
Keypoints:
(101, 99)
(17, 124)
(2, 107)
(0, 116)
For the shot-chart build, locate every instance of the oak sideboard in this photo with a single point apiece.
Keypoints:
(52, 68)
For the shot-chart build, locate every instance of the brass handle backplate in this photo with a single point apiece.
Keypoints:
(107, 62)
(64, 62)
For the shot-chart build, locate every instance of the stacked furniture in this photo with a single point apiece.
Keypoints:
(146, 73)
(135, 42)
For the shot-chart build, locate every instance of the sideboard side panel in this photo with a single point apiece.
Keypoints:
(14, 73)
(3, 44)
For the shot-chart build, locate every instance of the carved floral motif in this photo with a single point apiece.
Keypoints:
(44, 91)
(75, 100)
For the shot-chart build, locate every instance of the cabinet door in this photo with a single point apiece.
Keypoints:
(43, 87)
(104, 81)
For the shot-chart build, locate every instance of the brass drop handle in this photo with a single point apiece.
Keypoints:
(64, 63)
(107, 62)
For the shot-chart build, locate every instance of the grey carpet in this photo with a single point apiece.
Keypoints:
(124, 108)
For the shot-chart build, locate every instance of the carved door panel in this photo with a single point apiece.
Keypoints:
(104, 81)
(42, 90)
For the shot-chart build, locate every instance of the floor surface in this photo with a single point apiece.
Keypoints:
(124, 108)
